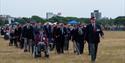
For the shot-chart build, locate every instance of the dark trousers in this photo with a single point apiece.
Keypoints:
(66, 44)
(59, 45)
(17, 41)
(80, 46)
(28, 44)
(13, 41)
(93, 47)
(88, 48)
(21, 43)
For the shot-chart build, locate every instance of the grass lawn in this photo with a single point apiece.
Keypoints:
(111, 50)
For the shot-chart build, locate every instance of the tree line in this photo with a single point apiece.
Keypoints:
(118, 21)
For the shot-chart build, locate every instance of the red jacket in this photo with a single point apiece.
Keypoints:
(39, 38)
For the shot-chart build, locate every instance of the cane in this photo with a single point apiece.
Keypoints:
(76, 46)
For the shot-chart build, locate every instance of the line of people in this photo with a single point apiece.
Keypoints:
(37, 37)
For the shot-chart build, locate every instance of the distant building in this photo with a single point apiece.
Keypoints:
(51, 14)
(7, 18)
(59, 13)
(96, 14)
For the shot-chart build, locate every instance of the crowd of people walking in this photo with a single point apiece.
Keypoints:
(38, 37)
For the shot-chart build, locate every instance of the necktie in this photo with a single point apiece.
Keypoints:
(94, 27)
(62, 30)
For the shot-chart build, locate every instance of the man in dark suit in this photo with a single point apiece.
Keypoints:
(67, 37)
(60, 37)
(28, 35)
(57, 38)
(48, 30)
(79, 39)
(93, 33)
(21, 44)
(12, 37)
(16, 33)
(73, 37)
(62, 32)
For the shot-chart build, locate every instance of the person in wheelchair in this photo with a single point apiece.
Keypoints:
(41, 44)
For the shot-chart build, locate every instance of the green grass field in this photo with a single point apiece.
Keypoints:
(111, 50)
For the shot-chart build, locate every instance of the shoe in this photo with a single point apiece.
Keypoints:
(25, 50)
(47, 56)
(93, 62)
(74, 51)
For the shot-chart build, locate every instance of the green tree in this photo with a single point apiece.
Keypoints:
(38, 19)
(20, 20)
(120, 21)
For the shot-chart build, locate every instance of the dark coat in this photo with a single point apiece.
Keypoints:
(77, 35)
(28, 32)
(48, 31)
(92, 35)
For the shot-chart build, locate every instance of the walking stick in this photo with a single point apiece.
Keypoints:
(76, 46)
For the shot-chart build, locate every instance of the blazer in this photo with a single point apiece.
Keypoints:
(93, 35)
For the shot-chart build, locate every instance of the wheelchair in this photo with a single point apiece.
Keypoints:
(6, 36)
(40, 47)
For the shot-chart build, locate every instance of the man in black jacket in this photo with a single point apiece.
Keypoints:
(79, 39)
(93, 33)
(57, 38)
(66, 37)
(28, 35)
(60, 36)
(12, 37)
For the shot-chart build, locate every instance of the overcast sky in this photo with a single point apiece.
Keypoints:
(77, 8)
